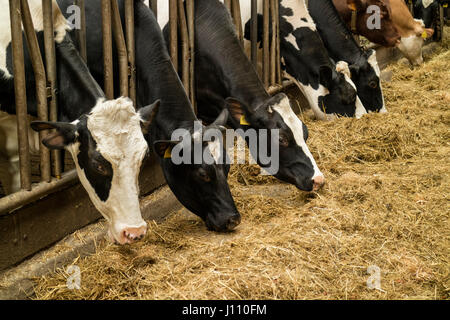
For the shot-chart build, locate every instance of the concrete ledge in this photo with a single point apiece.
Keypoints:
(15, 282)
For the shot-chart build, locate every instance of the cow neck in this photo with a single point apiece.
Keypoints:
(218, 44)
(338, 39)
(78, 92)
(157, 78)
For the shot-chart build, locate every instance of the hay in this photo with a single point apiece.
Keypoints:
(386, 203)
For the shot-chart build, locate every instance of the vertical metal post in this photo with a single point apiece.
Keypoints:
(129, 26)
(273, 46)
(173, 21)
(81, 34)
(277, 33)
(184, 46)
(254, 33)
(50, 62)
(20, 94)
(191, 28)
(236, 13)
(227, 4)
(41, 85)
(266, 52)
(107, 50)
(122, 53)
(154, 6)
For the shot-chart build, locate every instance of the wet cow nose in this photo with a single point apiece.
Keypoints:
(129, 235)
(233, 222)
(318, 182)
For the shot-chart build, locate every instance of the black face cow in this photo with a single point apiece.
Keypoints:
(427, 11)
(327, 86)
(201, 188)
(338, 40)
(104, 137)
(227, 79)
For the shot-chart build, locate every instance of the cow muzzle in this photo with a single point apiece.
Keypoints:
(128, 234)
(223, 224)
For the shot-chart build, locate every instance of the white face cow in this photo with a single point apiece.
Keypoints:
(108, 148)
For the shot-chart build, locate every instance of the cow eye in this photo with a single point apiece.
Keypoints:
(284, 141)
(203, 175)
(373, 84)
(101, 169)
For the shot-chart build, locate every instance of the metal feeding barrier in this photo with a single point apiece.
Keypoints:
(46, 86)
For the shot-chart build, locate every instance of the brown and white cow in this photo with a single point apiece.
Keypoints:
(361, 11)
(412, 32)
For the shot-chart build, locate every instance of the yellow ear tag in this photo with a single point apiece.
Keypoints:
(168, 153)
(244, 121)
(445, 5)
(424, 35)
(352, 6)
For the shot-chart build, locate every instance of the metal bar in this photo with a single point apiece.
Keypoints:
(266, 52)
(21, 198)
(108, 76)
(122, 53)
(278, 53)
(236, 9)
(154, 6)
(50, 62)
(41, 85)
(129, 27)
(184, 46)
(227, 4)
(272, 90)
(273, 47)
(20, 94)
(191, 30)
(254, 33)
(173, 21)
(81, 33)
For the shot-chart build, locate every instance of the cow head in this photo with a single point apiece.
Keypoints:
(366, 76)
(336, 94)
(411, 46)
(108, 148)
(296, 163)
(201, 186)
(387, 35)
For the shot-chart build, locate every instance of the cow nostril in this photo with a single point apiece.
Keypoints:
(318, 182)
(233, 222)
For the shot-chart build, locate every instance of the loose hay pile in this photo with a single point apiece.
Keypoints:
(386, 203)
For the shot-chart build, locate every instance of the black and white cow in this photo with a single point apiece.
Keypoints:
(341, 46)
(201, 188)
(104, 137)
(325, 84)
(225, 78)
(426, 10)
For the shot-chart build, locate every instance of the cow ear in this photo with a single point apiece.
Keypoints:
(237, 109)
(326, 76)
(164, 147)
(64, 135)
(148, 114)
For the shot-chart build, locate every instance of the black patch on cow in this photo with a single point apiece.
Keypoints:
(342, 46)
(97, 169)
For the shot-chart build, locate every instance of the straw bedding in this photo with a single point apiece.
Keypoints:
(385, 203)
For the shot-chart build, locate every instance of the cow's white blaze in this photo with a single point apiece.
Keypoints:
(427, 3)
(59, 23)
(115, 127)
(296, 126)
(342, 67)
